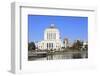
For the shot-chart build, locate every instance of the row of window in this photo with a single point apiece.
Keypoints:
(49, 45)
(51, 36)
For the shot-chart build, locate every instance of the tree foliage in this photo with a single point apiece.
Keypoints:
(31, 46)
(77, 45)
(86, 47)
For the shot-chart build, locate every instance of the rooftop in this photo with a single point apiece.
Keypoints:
(52, 26)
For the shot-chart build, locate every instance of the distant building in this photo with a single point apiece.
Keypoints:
(84, 44)
(51, 40)
(65, 43)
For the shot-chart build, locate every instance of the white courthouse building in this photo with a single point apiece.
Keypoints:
(52, 39)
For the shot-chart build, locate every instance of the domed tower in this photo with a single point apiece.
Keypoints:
(52, 38)
(51, 33)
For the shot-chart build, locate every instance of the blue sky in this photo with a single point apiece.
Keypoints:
(71, 27)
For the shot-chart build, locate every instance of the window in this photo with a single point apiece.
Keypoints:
(47, 45)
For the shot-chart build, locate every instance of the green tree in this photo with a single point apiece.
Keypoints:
(86, 47)
(31, 46)
(77, 45)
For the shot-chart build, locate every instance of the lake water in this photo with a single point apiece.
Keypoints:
(65, 55)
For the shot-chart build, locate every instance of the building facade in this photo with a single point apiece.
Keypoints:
(52, 39)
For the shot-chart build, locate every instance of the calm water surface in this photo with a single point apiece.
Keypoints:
(65, 55)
